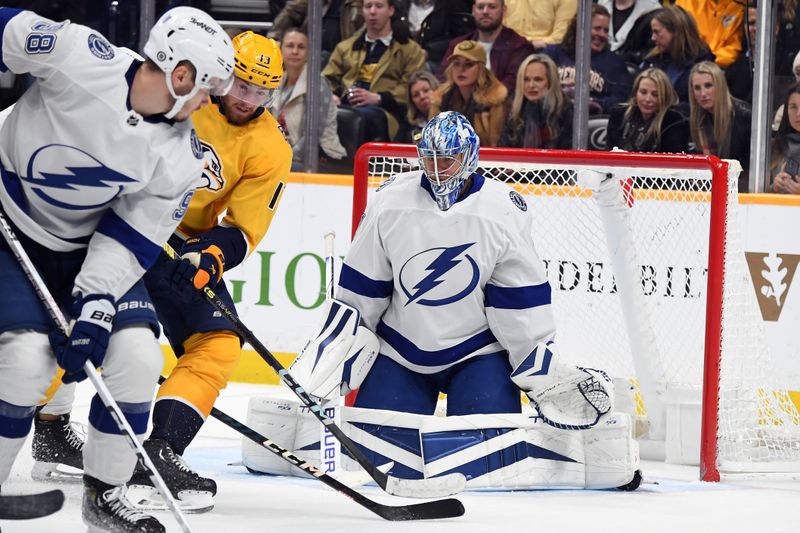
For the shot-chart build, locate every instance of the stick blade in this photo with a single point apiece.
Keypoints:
(449, 508)
(28, 506)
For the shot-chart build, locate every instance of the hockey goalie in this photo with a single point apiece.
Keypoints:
(442, 291)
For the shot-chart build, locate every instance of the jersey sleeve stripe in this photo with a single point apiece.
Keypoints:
(354, 281)
(518, 297)
(6, 14)
(145, 251)
(445, 356)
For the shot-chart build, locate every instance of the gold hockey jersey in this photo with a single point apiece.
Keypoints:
(246, 168)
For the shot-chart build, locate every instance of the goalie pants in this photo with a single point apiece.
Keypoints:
(479, 385)
(207, 348)
(27, 364)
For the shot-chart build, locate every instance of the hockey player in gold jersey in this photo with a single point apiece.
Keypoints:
(247, 162)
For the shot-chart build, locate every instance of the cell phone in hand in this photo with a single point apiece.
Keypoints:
(792, 167)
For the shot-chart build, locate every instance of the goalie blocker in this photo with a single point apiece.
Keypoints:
(498, 451)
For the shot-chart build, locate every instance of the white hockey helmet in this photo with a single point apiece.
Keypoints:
(189, 34)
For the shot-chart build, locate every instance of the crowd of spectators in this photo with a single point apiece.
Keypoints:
(669, 75)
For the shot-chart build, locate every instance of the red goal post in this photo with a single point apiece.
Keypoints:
(640, 288)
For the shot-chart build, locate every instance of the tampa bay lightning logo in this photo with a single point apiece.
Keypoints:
(100, 47)
(442, 275)
(69, 178)
(518, 200)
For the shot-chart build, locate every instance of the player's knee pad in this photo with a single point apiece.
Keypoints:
(203, 370)
(27, 366)
(133, 362)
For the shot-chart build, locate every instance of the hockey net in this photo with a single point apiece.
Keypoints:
(671, 303)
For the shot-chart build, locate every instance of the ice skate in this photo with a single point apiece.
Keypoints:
(193, 493)
(58, 450)
(106, 508)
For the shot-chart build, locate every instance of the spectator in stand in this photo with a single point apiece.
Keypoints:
(505, 48)
(650, 120)
(290, 105)
(629, 31)
(609, 79)
(785, 158)
(678, 47)
(474, 91)
(540, 115)
(720, 123)
(719, 23)
(739, 74)
(369, 71)
(341, 19)
(787, 45)
(447, 20)
(421, 85)
(542, 22)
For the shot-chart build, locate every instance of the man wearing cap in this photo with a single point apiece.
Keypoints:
(504, 47)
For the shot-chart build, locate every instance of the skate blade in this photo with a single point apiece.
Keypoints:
(56, 472)
(146, 498)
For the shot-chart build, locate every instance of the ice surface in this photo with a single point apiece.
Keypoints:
(671, 500)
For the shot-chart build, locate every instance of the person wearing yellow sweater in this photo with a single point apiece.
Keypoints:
(720, 24)
(542, 22)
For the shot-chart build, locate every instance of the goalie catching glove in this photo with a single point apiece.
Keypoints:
(566, 397)
(336, 360)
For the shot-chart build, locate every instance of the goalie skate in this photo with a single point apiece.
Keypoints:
(193, 493)
(58, 450)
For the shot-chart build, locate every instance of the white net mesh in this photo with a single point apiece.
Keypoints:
(666, 219)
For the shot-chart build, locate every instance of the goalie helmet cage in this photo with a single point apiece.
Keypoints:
(650, 284)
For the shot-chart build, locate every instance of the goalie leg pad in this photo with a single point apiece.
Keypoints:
(500, 451)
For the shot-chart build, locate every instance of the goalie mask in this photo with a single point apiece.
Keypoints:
(448, 155)
(189, 34)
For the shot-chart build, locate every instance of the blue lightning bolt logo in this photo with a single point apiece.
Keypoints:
(69, 174)
(438, 268)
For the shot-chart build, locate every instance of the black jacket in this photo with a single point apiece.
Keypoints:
(513, 134)
(630, 135)
(449, 19)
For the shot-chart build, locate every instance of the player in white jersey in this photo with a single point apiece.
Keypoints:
(98, 164)
(443, 269)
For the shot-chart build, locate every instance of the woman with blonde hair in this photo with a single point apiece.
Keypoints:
(472, 90)
(649, 121)
(677, 47)
(540, 115)
(421, 85)
(719, 123)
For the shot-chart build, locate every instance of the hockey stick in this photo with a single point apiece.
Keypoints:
(449, 508)
(99, 384)
(28, 506)
(410, 488)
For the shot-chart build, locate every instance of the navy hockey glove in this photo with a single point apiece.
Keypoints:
(202, 264)
(89, 337)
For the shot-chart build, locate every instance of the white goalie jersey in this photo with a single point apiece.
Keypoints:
(80, 167)
(439, 287)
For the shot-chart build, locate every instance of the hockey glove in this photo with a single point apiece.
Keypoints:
(202, 264)
(89, 337)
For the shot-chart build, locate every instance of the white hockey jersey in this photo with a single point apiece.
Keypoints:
(439, 287)
(80, 167)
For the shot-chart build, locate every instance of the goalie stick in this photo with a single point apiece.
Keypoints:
(28, 506)
(409, 488)
(102, 391)
(449, 508)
